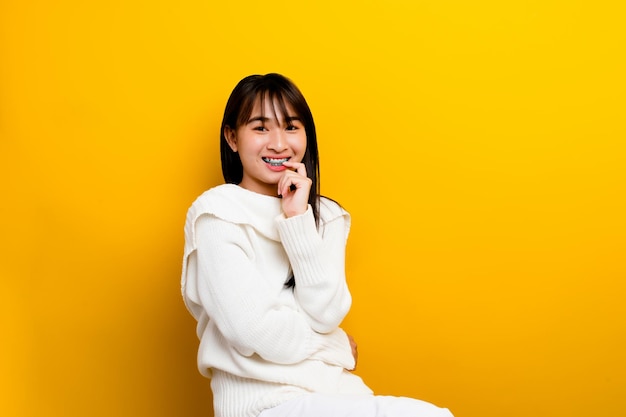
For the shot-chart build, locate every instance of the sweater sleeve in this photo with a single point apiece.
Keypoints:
(246, 311)
(318, 262)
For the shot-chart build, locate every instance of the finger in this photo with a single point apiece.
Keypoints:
(286, 185)
(291, 181)
(298, 167)
(290, 186)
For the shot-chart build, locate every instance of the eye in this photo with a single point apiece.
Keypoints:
(259, 128)
(292, 127)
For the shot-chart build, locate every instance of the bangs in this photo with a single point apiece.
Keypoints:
(278, 102)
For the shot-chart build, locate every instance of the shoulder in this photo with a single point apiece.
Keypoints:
(331, 211)
(225, 194)
(233, 204)
(218, 201)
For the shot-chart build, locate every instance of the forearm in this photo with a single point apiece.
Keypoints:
(318, 263)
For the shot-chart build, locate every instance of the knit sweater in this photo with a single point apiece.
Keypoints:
(262, 343)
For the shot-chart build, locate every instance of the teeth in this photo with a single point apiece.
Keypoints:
(275, 162)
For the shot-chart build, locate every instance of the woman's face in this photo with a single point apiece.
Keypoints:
(264, 142)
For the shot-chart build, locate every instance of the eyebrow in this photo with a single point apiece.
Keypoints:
(262, 119)
(290, 119)
(258, 119)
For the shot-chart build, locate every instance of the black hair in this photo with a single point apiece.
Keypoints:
(282, 91)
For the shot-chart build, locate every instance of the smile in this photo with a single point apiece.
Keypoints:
(274, 162)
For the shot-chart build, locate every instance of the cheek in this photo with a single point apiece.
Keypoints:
(302, 145)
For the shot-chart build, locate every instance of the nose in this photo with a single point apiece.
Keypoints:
(277, 141)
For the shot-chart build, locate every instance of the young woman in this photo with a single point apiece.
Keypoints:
(263, 271)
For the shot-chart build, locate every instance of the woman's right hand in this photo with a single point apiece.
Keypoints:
(294, 188)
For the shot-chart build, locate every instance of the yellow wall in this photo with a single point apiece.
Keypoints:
(478, 145)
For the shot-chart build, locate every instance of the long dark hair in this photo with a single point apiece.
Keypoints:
(280, 90)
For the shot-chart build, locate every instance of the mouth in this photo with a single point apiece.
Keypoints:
(275, 162)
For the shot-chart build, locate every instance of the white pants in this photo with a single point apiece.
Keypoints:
(329, 405)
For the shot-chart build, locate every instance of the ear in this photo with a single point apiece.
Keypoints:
(231, 138)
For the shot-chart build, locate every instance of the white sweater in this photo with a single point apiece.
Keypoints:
(260, 342)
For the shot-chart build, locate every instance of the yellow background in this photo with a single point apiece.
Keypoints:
(479, 146)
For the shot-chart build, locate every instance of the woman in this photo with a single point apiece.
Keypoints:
(263, 270)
